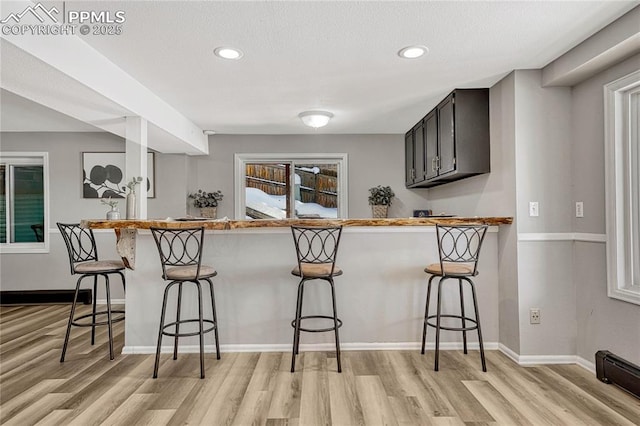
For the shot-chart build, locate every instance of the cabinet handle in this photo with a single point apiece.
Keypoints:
(437, 163)
(433, 164)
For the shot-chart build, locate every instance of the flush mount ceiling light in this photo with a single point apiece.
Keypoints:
(228, 52)
(209, 132)
(315, 119)
(412, 52)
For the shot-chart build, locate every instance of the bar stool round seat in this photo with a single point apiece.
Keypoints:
(99, 267)
(459, 251)
(190, 272)
(180, 253)
(450, 269)
(316, 250)
(83, 261)
(314, 270)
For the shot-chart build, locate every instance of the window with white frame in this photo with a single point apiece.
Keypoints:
(622, 164)
(24, 205)
(282, 186)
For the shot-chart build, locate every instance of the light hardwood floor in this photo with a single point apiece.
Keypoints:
(375, 388)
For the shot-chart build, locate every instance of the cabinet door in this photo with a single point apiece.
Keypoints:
(431, 144)
(447, 146)
(408, 155)
(418, 153)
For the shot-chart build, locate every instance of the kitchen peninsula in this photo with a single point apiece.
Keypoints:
(380, 295)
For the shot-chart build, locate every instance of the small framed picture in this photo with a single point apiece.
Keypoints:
(103, 175)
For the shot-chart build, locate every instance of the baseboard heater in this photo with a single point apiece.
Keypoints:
(610, 368)
(42, 297)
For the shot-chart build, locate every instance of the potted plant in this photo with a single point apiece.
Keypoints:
(207, 202)
(114, 213)
(380, 200)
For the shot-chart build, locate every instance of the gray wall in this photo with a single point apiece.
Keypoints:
(602, 322)
(547, 146)
(543, 174)
(67, 205)
(494, 194)
(373, 160)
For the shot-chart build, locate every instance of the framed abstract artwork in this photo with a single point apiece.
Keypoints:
(103, 175)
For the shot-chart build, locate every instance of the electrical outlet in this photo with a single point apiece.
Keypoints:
(533, 209)
(534, 316)
(579, 209)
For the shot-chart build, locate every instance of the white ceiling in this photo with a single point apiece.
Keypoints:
(337, 56)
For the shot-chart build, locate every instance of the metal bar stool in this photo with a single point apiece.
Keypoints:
(83, 259)
(181, 259)
(316, 249)
(459, 250)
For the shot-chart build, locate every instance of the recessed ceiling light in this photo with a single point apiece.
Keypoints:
(315, 119)
(209, 132)
(228, 52)
(412, 52)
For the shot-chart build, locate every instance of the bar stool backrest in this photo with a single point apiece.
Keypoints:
(316, 245)
(80, 242)
(179, 247)
(460, 244)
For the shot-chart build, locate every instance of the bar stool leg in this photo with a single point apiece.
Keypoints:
(93, 316)
(464, 332)
(435, 368)
(162, 315)
(335, 324)
(124, 286)
(109, 325)
(215, 318)
(73, 310)
(426, 314)
(475, 307)
(201, 323)
(175, 339)
(300, 316)
(296, 332)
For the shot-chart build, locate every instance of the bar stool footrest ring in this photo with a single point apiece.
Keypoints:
(316, 330)
(91, 324)
(194, 333)
(474, 327)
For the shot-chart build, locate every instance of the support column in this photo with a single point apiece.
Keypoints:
(136, 160)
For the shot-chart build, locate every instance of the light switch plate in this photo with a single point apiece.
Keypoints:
(579, 209)
(533, 209)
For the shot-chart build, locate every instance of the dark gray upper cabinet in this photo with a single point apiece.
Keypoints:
(414, 155)
(408, 155)
(451, 142)
(418, 153)
(431, 144)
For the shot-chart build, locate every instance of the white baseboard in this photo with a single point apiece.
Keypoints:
(393, 346)
(508, 352)
(313, 347)
(587, 365)
(563, 236)
(547, 359)
(113, 301)
(537, 359)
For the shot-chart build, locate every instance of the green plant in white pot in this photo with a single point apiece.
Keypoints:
(114, 213)
(380, 200)
(207, 202)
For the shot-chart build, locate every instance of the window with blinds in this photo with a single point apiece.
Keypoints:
(622, 165)
(23, 202)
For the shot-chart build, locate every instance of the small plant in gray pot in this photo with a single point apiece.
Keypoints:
(380, 200)
(114, 213)
(207, 202)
